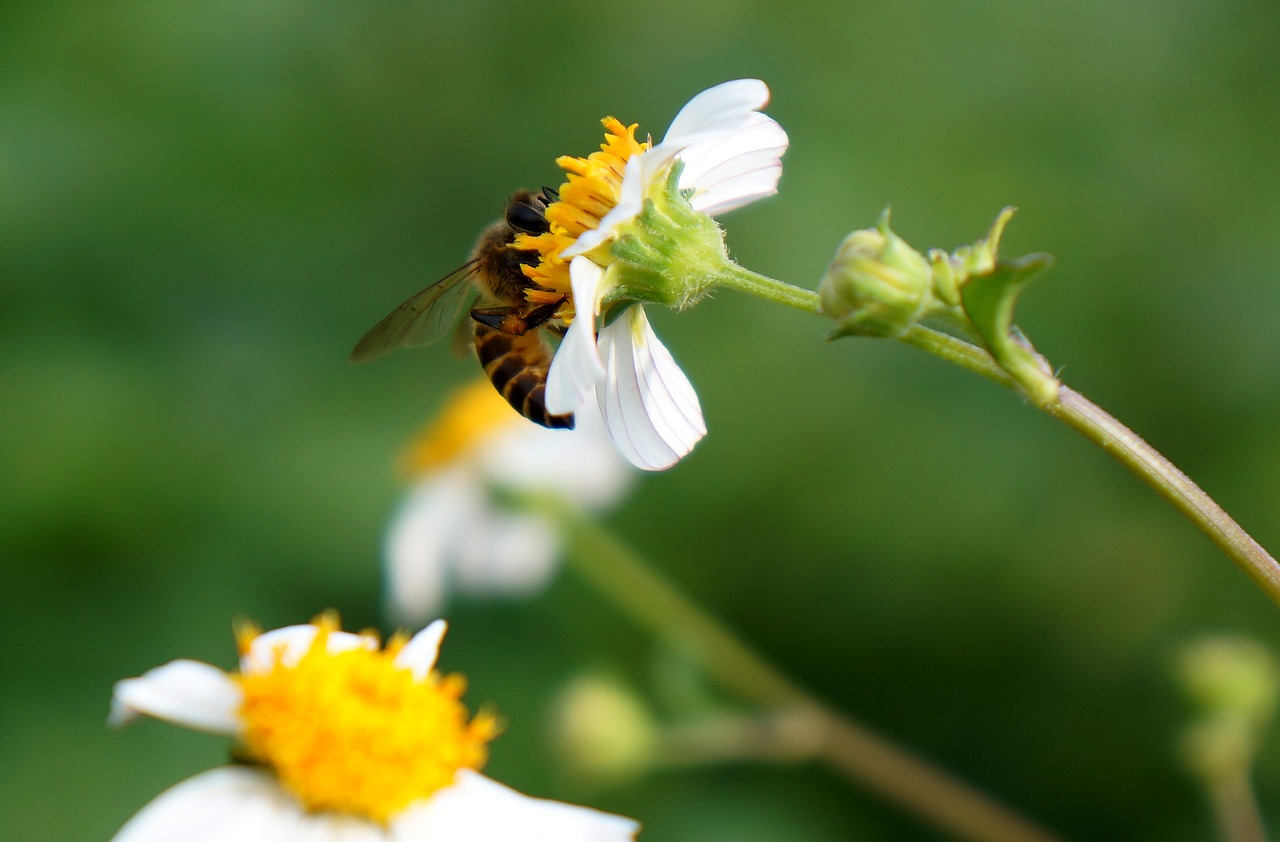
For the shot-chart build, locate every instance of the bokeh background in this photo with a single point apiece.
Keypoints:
(203, 206)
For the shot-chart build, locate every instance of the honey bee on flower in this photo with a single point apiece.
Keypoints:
(631, 224)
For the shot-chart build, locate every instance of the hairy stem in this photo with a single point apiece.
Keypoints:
(761, 286)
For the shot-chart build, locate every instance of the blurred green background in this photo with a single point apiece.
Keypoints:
(203, 206)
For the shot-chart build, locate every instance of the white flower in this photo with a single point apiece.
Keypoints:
(730, 155)
(337, 761)
(452, 533)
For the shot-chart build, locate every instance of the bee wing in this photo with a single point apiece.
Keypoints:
(463, 340)
(424, 318)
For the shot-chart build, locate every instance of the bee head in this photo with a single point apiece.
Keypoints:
(527, 215)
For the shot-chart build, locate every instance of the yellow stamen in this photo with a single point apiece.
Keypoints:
(355, 733)
(471, 414)
(591, 191)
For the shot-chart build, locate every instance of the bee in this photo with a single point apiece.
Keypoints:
(508, 331)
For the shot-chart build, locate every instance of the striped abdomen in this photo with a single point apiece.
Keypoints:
(517, 366)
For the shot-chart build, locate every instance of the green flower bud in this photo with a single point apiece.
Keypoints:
(603, 732)
(1234, 676)
(877, 284)
(1233, 682)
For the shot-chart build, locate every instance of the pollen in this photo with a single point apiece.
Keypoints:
(471, 415)
(352, 732)
(591, 190)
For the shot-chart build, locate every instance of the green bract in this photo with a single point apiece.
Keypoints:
(669, 254)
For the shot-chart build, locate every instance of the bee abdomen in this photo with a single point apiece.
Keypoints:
(517, 366)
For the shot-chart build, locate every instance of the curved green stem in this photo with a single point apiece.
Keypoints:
(1175, 486)
(1082, 415)
(846, 746)
(1095, 424)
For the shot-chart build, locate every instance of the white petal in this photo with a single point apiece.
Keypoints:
(739, 192)
(290, 643)
(722, 108)
(581, 465)
(648, 405)
(736, 169)
(230, 804)
(477, 809)
(576, 366)
(420, 653)
(514, 556)
(635, 177)
(335, 827)
(421, 544)
(725, 114)
(628, 426)
(184, 692)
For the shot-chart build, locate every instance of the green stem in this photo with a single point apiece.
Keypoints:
(762, 286)
(1133, 452)
(1082, 415)
(846, 746)
(1236, 810)
(959, 352)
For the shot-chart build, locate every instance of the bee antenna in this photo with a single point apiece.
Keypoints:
(551, 193)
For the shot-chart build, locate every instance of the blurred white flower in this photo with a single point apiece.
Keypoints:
(349, 741)
(610, 251)
(453, 533)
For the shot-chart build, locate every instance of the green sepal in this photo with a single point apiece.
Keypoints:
(840, 333)
(988, 301)
(668, 253)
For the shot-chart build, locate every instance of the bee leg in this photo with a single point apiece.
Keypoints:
(507, 320)
(541, 314)
(511, 321)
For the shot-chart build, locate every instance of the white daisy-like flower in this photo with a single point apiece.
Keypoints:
(454, 533)
(623, 232)
(344, 741)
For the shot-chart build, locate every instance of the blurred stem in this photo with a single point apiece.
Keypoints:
(784, 735)
(1085, 417)
(1236, 810)
(846, 746)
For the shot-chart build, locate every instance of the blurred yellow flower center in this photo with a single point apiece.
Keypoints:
(591, 191)
(472, 413)
(354, 733)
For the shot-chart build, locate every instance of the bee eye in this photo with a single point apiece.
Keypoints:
(527, 218)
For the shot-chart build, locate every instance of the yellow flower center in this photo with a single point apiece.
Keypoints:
(471, 414)
(353, 732)
(591, 191)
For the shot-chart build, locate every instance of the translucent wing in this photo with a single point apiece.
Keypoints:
(424, 318)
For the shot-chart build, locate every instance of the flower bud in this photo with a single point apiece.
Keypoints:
(1235, 676)
(877, 284)
(1233, 682)
(602, 731)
